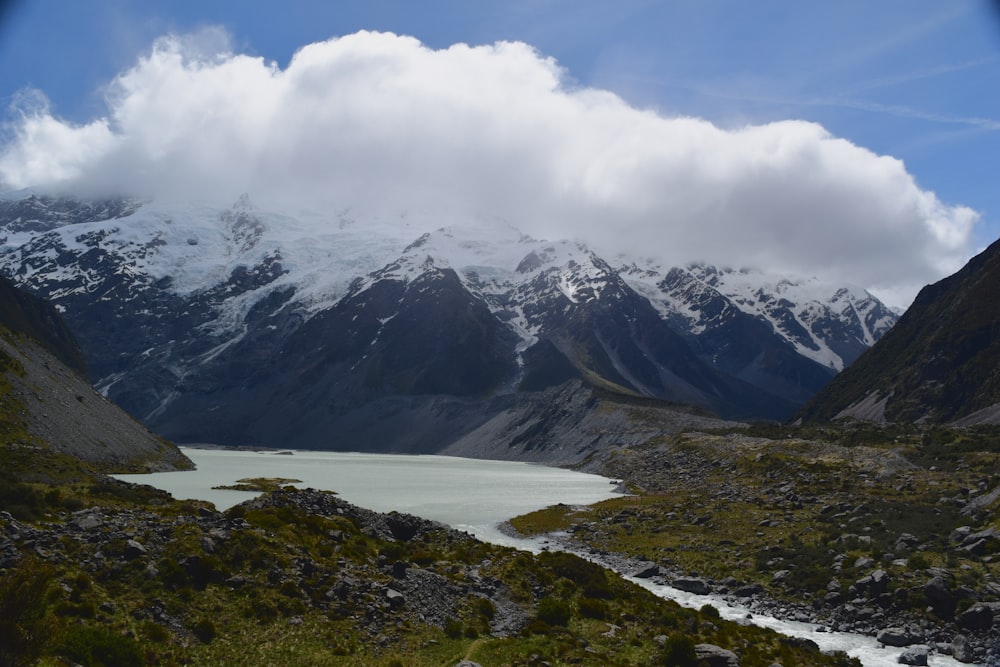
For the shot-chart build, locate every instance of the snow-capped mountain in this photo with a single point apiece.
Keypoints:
(832, 325)
(239, 324)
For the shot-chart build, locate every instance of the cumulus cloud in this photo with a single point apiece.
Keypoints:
(379, 121)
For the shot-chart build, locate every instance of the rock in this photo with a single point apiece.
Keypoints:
(959, 534)
(134, 550)
(749, 591)
(394, 598)
(780, 576)
(896, 637)
(715, 656)
(988, 534)
(961, 650)
(863, 563)
(467, 663)
(939, 595)
(976, 617)
(403, 526)
(647, 570)
(915, 655)
(692, 585)
(977, 548)
(981, 502)
(874, 584)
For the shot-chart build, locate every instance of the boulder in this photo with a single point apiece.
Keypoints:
(977, 548)
(692, 585)
(976, 617)
(959, 534)
(749, 591)
(647, 570)
(134, 550)
(875, 584)
(394, 598)
(961, 650)
(940, 597)
(896, 637)
(715, 656)
(915, 655)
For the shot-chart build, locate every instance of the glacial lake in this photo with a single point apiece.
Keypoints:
(468, 494)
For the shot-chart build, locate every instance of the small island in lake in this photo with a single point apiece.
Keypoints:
(262, 484)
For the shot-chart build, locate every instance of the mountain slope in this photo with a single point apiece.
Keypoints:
(238, 324)
(940, 363)
(44, 402)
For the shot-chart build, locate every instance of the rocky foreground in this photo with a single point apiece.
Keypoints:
(302, 577)
(888, 535)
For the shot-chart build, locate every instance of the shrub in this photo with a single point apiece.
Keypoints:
(204, 630)
(678, 651)
(554, 611)
(24, 627)
(591, 577)
(485, 608)
(97, 646)
(155, 632)
(590, 608)
(452, 629)
(709, 610)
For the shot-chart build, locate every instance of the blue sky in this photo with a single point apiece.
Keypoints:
(911, 79)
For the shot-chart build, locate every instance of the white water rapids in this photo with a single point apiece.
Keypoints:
(468, 494)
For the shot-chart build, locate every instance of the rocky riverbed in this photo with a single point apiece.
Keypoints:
(853, 539)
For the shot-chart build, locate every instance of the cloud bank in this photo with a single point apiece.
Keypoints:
(378, 121)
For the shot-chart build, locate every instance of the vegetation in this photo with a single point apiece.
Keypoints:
(800, 511)
(299, 577)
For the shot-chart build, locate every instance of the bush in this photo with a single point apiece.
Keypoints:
(590, 608)
(96, 646)
(204, 630)
(590, 577)
(678, 651)
(554, 611)
(25, 628)
(452, 629)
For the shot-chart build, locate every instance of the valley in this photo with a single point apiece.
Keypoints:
(255, 327)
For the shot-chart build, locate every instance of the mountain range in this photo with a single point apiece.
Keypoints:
(347, 330)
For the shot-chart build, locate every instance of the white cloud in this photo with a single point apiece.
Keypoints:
(375, 120)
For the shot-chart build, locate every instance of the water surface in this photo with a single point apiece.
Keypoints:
(469, 494)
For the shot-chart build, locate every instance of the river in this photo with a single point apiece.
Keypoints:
(473, 495)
